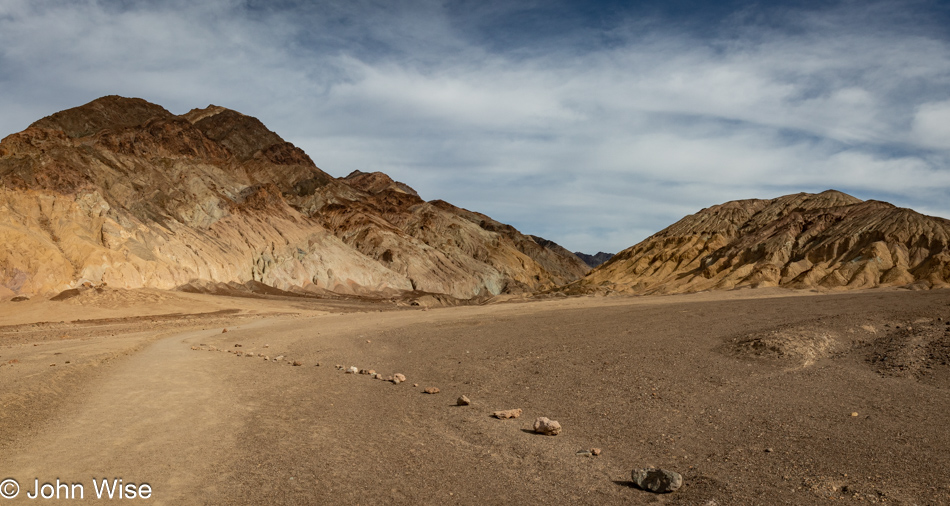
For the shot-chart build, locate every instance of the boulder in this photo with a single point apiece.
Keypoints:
(657, 480)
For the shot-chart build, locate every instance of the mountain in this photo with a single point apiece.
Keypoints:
(123, 192)
(594, 260)
(828, 240)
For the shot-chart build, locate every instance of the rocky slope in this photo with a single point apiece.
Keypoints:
(121, 191)
(828, 241)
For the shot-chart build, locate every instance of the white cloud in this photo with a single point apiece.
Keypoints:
(931, 125)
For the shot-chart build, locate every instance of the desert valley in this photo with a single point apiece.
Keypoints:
(188, 304)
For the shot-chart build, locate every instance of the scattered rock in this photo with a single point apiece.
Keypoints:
(463, 401)
(236, 345)
(297, 363)
(507, 413)
(544, 425)
(195, 348)
(279, 358)
(338, 366)
(657, 480)
(398, 378)
(352, 370)
(432, 390)
(52, 365)
(364, 371)
(595, 451)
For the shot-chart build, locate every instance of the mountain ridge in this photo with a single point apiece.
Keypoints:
(121, 191)
(828, 240)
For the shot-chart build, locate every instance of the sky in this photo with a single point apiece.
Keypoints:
(593, 124)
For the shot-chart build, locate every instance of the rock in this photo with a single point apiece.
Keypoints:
(364, 371)
(195, 347)
(267, 346)
(338, 366)
(297, 363)
(352, 370)
(398, 378)
(463, 401)
(432, 390)
(237, 345)
(224, 331)
(544, 425)
(657, 480)
(279, 358)
(20, 298)
(595, 451)
(855, 413)
(507, 413)
(415, 385)
(583, 453)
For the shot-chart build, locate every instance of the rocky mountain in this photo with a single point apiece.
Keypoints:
(594, 260)
(123, 192)
(829, 241)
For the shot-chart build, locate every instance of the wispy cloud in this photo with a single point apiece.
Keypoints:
(591, 127)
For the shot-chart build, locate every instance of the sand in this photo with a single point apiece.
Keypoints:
(754, 396)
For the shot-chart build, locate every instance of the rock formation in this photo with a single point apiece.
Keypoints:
(828, 241)
(594, 260)
(121, 191)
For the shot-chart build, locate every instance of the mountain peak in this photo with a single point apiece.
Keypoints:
(110, 112)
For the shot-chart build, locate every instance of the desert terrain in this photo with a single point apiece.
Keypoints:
(756, 396)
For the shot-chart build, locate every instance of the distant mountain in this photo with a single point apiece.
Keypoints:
(594, 260)
(121, 191)
(829, 240)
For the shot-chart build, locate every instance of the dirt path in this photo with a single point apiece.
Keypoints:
(156, 417)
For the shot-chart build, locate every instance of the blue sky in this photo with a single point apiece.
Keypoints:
(594, 124)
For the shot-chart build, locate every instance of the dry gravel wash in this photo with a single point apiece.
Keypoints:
(748, 394)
